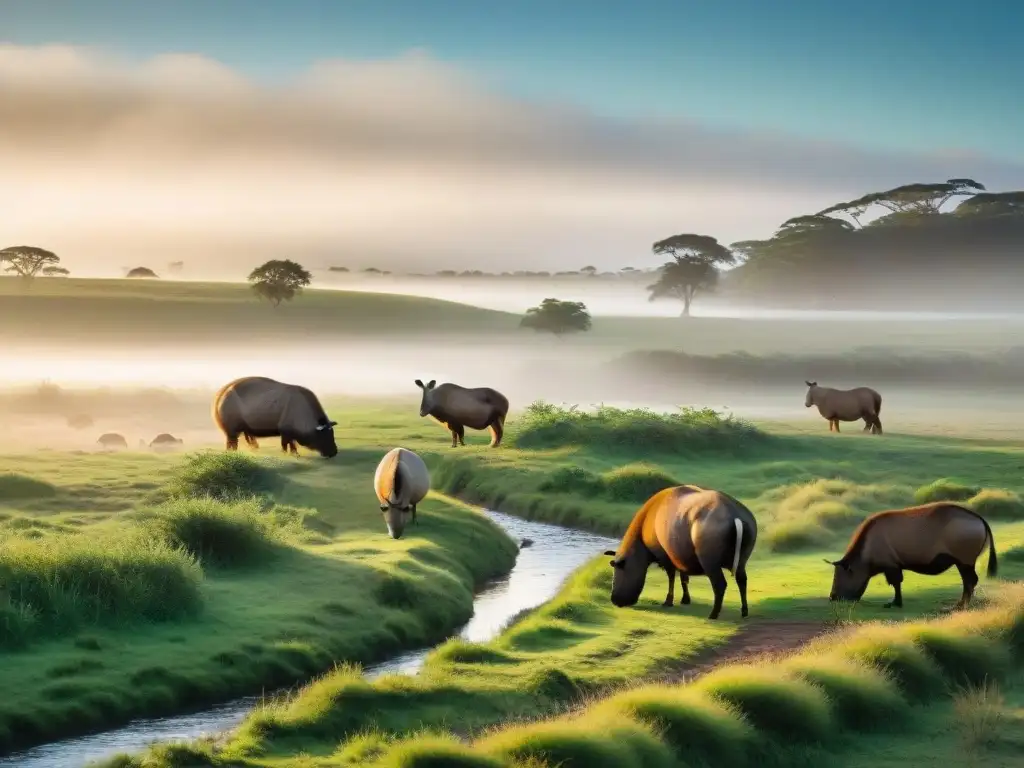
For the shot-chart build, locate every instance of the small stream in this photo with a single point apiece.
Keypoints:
(538, 574)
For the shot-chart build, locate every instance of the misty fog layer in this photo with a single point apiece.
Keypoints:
(405, 162)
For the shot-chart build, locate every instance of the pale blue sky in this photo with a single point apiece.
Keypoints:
(915, 74)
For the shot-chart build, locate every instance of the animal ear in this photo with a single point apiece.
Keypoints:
(610, 553)
(383, 507)
(419, 383)
(432, 383)
(810, 383)
(332, 423)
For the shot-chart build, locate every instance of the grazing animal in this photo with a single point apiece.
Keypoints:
(458, 407)
(846, 405)
(690, 530)
(927, 539)
(255, 406)
(401, 482)
(165, 440)
(112, 440)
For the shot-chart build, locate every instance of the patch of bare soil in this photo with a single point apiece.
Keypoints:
(755, 639)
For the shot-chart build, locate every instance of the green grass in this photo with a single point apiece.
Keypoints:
(130, 596)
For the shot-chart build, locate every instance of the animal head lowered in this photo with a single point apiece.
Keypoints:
(323, 440)
(812, 386)
(395, 518)
(427, 403)
(850, 580)
(629, 575)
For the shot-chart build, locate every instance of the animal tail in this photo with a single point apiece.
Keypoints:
(993, 563)
(739, 545)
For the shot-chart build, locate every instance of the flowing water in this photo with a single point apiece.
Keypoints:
(539, 572)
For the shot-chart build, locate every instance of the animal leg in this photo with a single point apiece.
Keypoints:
(293, 448)
(869, 424)
(414, 515)
(741, 585)
(252, 442)
(878, 426)
(895, 579)
(232, 442)
(718, 585)
(497, 432)
(837, 424)
(970, 579)
(671, 596)
(460, 431)
(685, 581)
(285, 443)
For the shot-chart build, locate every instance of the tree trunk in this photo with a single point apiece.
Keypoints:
(686, 305)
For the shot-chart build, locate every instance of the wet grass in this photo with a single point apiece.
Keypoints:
(137, 597)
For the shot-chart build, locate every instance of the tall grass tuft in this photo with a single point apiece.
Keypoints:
(689, 431)
(979, 714)
(215, 532)
(59, 582)
(997, 504)
(944, 489)
(224, 476)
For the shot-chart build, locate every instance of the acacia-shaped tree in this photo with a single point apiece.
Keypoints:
(279, 280)
(694, 267)
(27, 261)
(557, 317)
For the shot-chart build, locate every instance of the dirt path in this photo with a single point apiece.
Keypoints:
(754, 638)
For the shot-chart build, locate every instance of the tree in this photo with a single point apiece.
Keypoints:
(694, 267)
(145, 272)
(589, 271)
(55, 272)
(557, 317)
(27, 261)
(175, 267)
(279, 280)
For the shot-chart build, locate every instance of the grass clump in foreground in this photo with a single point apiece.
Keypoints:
(59, 582)
(866, 680)
(222, 475)
(688, 431)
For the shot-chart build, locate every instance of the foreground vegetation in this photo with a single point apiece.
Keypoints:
(485, 704)
(138, 584)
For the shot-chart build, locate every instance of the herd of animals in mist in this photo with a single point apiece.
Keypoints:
(684, 530)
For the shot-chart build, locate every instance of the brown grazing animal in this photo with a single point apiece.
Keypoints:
(400, 482)
(846, 405)
(688, 529)
(458, 407)
(255, 406)
(165, 440)
(110, 440)
(928, 539)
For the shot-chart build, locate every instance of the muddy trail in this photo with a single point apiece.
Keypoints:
(758, 638)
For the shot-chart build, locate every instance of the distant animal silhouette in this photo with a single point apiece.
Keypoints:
(690, 530)
(400, 482)
(256, 406)
(165, 440)
(112, 440)
(458, 407)
(837, 405)
(928, 539)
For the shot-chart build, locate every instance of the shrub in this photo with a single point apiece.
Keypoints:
(944, 489)
(997, 504)
(573, 480)
(224, 476)
(688, 431)
(62, 581)
(215, 532)
(575, 745)
(636, 482)
(13, 486)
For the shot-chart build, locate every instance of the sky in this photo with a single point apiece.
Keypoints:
(456, 134)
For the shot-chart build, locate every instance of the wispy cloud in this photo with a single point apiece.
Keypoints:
(407, 162)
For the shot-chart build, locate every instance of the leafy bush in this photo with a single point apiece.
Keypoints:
(633, 482)
(615, 429)
(997, 504)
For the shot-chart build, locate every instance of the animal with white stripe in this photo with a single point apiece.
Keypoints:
(400, 482)
(687, 530)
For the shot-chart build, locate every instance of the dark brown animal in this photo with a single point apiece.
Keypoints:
(110, 440)
(458, 407)
(256, 406)
(846, 405)
(928, 539)
(689, 530)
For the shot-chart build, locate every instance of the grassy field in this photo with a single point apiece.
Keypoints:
(140, 584)
(168, 313)
(592, 471)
